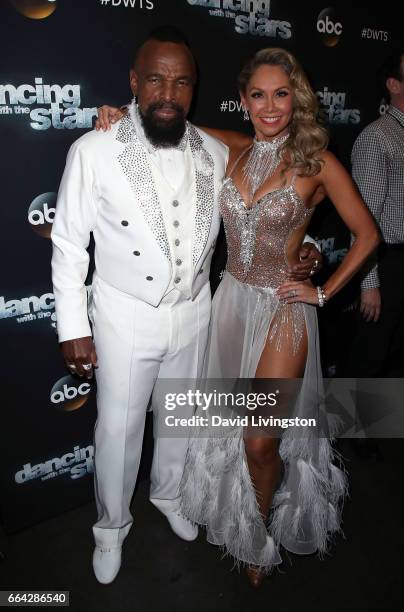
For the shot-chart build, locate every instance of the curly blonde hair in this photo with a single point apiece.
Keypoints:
(306, 136)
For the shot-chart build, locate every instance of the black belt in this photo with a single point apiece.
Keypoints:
(392, 246)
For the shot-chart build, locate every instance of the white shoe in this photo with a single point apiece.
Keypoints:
(182, 526)
(106, 563)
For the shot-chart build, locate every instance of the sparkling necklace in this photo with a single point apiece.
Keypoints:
(262, 162)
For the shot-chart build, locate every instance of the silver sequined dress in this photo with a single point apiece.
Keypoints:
(216, 488)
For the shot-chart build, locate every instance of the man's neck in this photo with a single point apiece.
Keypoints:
(398, 103)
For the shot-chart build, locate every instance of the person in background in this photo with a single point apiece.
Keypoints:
(378, 170)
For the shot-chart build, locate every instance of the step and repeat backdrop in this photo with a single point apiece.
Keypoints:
(63, 58)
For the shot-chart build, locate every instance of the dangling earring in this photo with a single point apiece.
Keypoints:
(246, 114)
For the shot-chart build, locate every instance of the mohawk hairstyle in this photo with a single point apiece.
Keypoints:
(166, 33)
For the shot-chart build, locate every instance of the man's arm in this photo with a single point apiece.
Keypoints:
(108, 115)
(369, 172)
(75, 218)
(231, 138)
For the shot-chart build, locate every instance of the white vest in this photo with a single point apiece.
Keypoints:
(178, 206)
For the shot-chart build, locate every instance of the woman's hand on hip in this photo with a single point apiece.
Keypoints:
(298, 291)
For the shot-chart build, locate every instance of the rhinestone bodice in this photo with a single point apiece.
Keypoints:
(257, 237)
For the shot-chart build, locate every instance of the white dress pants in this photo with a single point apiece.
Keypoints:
(137, 344)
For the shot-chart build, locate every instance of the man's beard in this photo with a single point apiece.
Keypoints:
(163, 133)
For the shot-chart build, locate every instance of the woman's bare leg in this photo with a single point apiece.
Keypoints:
(263, 458)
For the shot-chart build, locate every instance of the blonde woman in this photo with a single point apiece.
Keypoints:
(265, 326)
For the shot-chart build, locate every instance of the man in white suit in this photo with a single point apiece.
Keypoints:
(147, 190)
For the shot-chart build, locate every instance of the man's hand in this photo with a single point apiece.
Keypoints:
(107, 115)
(80, 356)
(311, 261)
(371, 304)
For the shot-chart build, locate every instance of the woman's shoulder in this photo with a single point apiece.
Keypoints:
(332, 170)
(327, 158)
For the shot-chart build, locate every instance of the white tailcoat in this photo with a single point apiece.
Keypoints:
(110, 188)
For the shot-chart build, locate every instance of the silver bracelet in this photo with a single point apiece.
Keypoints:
(322, 298)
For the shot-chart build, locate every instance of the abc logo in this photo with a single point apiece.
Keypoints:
(383, 107)
(42, 212)
(35, 9)
(329, 27)
(69, 394)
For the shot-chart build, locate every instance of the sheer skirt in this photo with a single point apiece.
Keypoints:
(216, 488)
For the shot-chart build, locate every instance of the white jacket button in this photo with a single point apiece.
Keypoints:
(149, 278)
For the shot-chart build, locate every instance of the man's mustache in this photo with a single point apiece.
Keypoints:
(165, 106)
